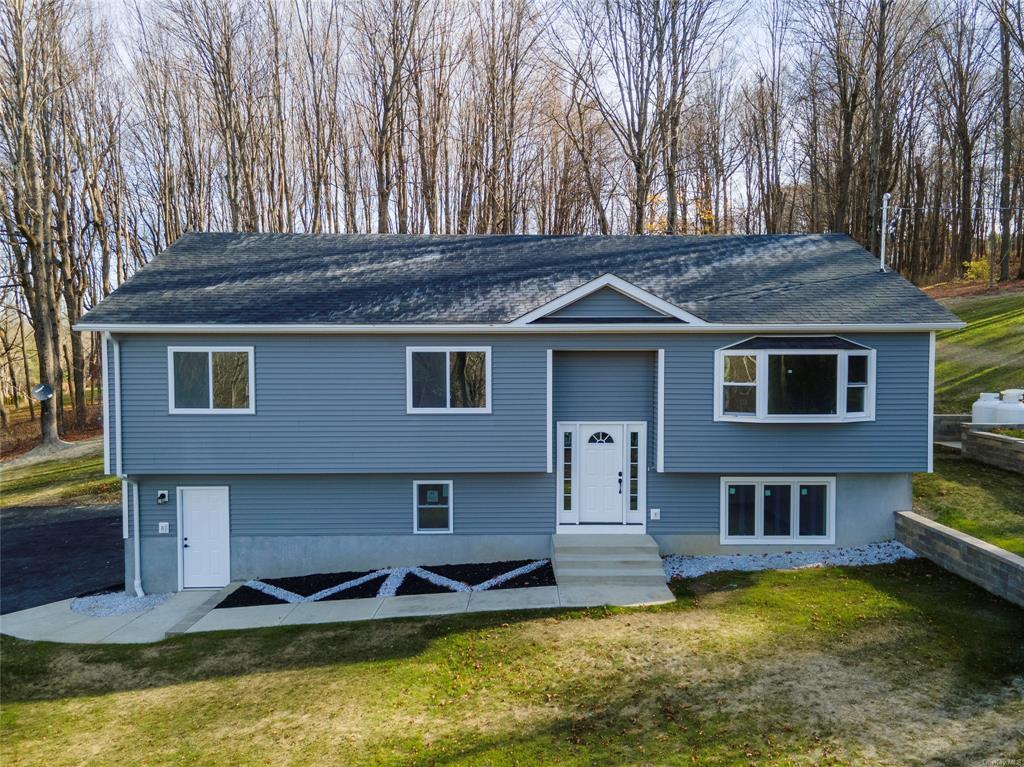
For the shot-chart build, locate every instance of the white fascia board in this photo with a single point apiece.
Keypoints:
(408, 329)
(618, 284)
(931, 401)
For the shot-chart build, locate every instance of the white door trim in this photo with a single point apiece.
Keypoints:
(180, 536)
(568, 522)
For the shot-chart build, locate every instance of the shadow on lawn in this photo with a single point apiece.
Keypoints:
(29, 671)
(951, 623)
(923, 680)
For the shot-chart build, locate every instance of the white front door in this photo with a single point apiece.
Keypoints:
(205, 537)
(601, 473)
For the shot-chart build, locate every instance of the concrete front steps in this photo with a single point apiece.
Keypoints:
(610, 568)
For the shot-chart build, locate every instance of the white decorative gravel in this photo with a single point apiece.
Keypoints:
(116, 603)
(497, 580)
(677, 566)
(395, 576)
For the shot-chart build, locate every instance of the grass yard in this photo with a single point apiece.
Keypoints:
(977, 499)
(987, 355)
(883, 665)
(63, 480)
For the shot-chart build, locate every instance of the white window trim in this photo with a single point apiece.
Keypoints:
(409, 350)
(761, 384)
(249, 350)
(415, 506)
(759, 538)
(568, 516)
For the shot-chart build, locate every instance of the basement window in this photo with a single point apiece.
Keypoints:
(795, 379)
(432, 506)
(778, 510)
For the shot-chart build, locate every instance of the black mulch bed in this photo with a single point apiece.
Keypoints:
(470, 574)
(304, 585)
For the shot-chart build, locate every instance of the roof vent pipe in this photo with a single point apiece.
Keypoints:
(885, 232)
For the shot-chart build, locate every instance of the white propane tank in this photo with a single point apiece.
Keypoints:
(1010, 410)
(983, 411)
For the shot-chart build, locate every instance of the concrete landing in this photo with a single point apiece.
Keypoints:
(627, 568)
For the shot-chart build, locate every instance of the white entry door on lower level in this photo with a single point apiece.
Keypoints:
(601, 473)
(205, 536)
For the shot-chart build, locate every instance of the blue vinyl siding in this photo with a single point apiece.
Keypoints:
(606, 303)
(111, 397)
(336, 404)
(484, 504)
(689, 503)
(331, 504)
(607, 386)
(897, 440)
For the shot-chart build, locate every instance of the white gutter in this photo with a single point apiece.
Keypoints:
(550, 329)
(136, 542)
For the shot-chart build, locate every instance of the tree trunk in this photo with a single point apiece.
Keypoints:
(1005, 211)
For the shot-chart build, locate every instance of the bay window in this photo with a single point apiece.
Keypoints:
(794, 379)
(778, 510)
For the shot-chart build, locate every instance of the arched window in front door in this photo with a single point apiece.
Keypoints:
(600, 438)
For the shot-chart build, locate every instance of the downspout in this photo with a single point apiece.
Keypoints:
(117, 410)
(107, 462)
(136, 542)
(136, 532)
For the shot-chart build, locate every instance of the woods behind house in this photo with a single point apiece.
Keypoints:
(124, 124)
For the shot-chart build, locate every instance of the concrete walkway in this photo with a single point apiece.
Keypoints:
(192, 611)
(56, 623)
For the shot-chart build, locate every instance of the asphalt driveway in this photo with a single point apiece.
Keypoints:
(48, 554)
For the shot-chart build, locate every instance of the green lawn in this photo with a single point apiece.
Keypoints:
(980, 500)
(76, 480)
(987, 355)
(885, 665)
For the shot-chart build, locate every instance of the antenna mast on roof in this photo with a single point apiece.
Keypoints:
(885, 231)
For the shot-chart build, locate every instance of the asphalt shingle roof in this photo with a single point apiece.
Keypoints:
(375, 279)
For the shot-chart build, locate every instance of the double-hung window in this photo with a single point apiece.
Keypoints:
(778, 510)
(448, 379)
(795, 379)
(204, 379)
(432, 506)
